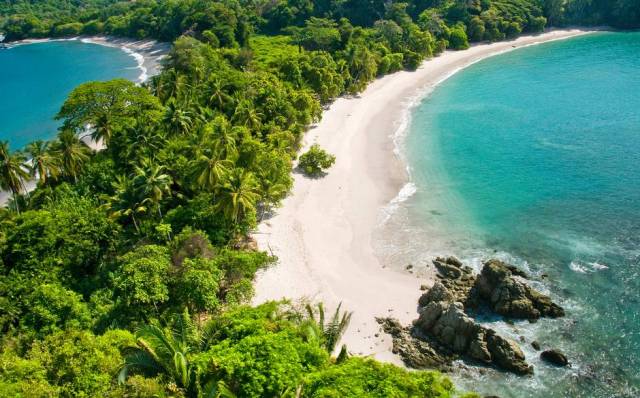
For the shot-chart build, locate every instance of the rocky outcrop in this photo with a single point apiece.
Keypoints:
(458, 279)
(447, 323)
(446, 329)
(555, 357)
(415, 353)
(511, 298)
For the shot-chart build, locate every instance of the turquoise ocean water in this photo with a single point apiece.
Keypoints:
(534, 156)
(35, 79)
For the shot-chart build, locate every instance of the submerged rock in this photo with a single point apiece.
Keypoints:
(535, 345)
(554, 357)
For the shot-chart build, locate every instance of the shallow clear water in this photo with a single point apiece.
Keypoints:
(35, 80)
(534, 156)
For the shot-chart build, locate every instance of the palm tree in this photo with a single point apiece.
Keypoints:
(217, 96)
(103, 129)
(210, 168)
(247, 115)
(223, 135)
(43, 162)
(161, 350)
(169, 352)
(238, 194)
(72, 152)
(177, 119)
(125, 202)
(152, 184)
(169, 84)
(328, 334)
(12, 172)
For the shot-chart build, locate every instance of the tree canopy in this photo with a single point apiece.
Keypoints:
(136, 260)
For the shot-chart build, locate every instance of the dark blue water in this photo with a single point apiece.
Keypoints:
(35, 80)
(534, 156)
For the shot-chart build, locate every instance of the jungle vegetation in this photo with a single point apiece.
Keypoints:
(127, 271)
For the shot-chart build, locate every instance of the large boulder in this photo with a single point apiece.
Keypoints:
(510, 297)
(507, 354)
(554, 357)
(437, 293)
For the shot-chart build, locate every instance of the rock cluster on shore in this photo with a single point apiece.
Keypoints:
(446, 330)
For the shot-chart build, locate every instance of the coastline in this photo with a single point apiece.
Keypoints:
(147, 53)
(322, 234)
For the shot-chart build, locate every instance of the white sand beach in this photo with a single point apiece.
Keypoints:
(322, 234)
(148, 53)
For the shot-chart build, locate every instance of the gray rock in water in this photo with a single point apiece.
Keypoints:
(447, 323)
(510, 297)
(507, 354)
(554, 357)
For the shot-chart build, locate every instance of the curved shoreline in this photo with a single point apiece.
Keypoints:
(323, 232)
(147, 53)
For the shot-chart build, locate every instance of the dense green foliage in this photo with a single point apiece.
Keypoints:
(135, 260)
(315, 160)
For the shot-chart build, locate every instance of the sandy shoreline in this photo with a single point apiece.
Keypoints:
(322, 234)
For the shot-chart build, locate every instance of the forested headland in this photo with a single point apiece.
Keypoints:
(128, 271)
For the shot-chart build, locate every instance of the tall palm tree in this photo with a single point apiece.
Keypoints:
(238, 195)
(44, 164)
(72, 152)
(152, 184)
(223, 135)
(179, 121)
(170, 84)
(125, 202)
(12, 171)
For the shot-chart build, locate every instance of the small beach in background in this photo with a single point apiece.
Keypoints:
(31, 97)
(324, 232)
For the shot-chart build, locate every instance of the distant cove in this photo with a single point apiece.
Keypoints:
(35, 79)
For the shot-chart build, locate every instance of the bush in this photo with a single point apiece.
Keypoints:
(361, 377)
(69, 29)
(316, 160)
(458, 39)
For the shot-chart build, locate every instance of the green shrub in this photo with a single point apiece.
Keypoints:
(458, 39)
(316, 160)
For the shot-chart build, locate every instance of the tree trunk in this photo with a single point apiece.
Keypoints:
(15, 201)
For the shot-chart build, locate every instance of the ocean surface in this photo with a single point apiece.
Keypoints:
(534, 157)
(35, 79)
